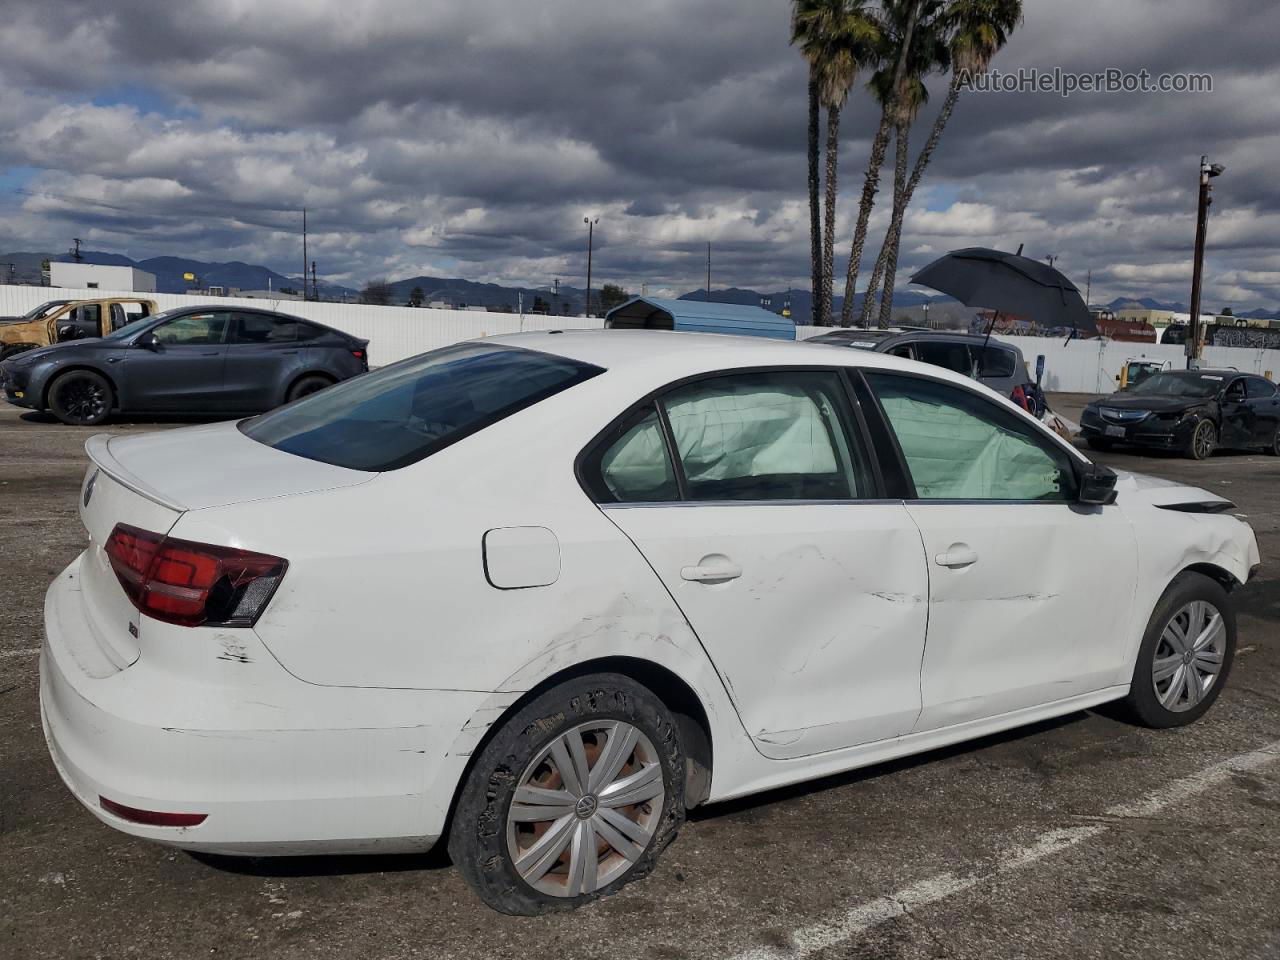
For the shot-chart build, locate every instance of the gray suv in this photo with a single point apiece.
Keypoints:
(999, 365)
(201, 360)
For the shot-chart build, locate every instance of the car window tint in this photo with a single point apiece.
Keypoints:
(636, 468)
(305, 331)
(405, 412)
(194, 329)
(996, 362)
(952, 356)
(765, 436)
(1235, 392)
(1260, 389)
(959, 446)
(260, 328)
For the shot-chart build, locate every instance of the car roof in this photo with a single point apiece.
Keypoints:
(685, 353)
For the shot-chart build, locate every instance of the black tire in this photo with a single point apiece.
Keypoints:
(81, 398)
(312, 383)
(478, 842)
(1100, 443)
(1143, 702)
(1273, 449)
(1204, 440)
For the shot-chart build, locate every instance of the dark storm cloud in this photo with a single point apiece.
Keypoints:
(474, 137)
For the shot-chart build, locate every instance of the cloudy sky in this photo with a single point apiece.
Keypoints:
(470, 139)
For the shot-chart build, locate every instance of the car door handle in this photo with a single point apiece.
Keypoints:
(958, 555)
(714, 569)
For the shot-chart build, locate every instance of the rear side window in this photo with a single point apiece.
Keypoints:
(409, 410)
(996, 362)
(261, 328)
(959, 446)
(951, 356)
(636, 467)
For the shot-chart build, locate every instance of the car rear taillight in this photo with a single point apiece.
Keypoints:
(362, 357)
(152, 818)
(1019, 396)
(191, 584)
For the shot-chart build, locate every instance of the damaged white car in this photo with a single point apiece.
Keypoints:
(537, 596)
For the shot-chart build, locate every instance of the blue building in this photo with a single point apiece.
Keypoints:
(698, 316)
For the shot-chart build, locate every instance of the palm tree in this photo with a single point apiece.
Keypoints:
(838, 38)
(896, 23)
(977, 29)
(914, 46)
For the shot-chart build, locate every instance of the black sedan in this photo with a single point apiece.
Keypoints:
(189, 360)
(1193, 412)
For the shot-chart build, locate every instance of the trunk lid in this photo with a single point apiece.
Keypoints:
(151, 481)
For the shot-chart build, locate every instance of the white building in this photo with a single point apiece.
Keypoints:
(96, 276)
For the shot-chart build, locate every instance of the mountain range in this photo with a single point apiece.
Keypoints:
(459, 292)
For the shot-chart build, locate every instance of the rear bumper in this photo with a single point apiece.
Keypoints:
(278, 767)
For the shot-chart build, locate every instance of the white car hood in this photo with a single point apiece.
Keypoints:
(193, 468)
(1159, 492)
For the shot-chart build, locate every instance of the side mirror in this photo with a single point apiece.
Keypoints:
(1097, 486)
(149, 341)
(68, 331)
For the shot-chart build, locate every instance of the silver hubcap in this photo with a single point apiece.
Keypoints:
(1189, 656)
(1204, 439)
(585, 809)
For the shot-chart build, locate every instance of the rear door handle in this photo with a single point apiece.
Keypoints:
(713, 569)
(958, 555)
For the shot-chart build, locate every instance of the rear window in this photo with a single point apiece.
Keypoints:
(409, 410)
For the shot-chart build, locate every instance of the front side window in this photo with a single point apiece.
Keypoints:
(996, 362)
(195, 329)
(959, 446)
(1260, 389)
(765, 436)
(405, 412)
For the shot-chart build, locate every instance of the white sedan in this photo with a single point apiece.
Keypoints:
(537, 596)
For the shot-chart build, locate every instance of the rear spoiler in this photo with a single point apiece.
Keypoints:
(98, 449)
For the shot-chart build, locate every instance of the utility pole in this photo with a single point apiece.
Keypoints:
(1207, 172)
(555, 295)
(304, 254)
(315, 287)
(591, 226)
(1052, 259)
(75, 254)
(708, 271)
(1088, 291)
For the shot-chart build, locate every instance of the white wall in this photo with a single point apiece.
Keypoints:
(79, 275)
(393, 332)
(1082, 366)
(1091, 366)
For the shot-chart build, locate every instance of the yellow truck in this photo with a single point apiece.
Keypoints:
(59, 320)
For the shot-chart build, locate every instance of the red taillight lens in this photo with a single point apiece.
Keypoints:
(152, 818)
(190, 584)
(1019, 397)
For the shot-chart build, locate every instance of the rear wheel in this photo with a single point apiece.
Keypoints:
(1100, 443)
(1204, 440)
(576, 795)
(1186, 654)
(81, 398)
(1273, 449)
(306, 386)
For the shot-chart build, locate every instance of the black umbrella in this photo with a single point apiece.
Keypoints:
(1009, 283)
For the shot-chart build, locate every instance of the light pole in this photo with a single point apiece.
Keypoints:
(591, 227)
(1207, 172)
(926, 313)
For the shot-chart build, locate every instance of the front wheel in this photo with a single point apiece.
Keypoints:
(1204, 440)
(81, 398)
(576, 795)
(1186, 654)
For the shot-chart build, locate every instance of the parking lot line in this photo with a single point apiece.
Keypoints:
(811, 939)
